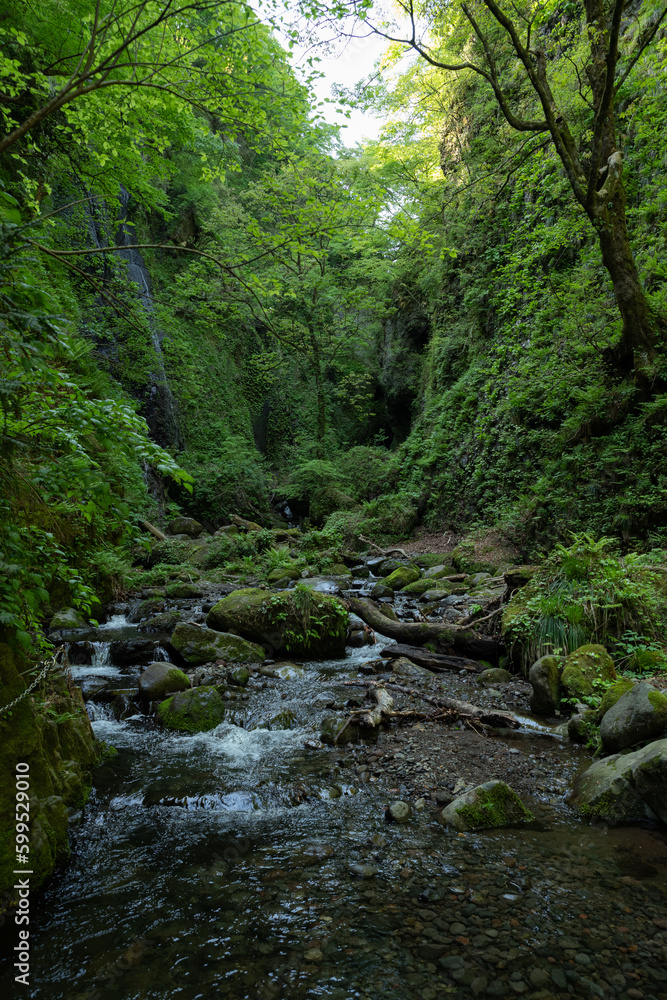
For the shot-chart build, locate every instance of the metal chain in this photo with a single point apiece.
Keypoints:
(49, 665)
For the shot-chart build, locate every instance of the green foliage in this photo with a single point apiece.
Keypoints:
(584, 593)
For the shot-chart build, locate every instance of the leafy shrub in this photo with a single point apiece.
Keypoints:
(585, 593)
(392, 516)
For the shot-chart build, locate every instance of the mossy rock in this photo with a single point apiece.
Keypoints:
(185, 526)
(612, 694)
(339, 569)
(584, 727)
(284, 574)
(624, 789)
(336, 731)
(434, 595)
(437, 572)
(299, 622)
(402, 577)
(68, 618)
(239, 676)
(491, 805)
(197, 645)
(492, 676)
(146, 609)
(418, 587)
(381, 590)
(544, 677)
(583, 668)
(639, 715)
(388, 612)
(184, 590)
(433, 559)
(195, 711)
(648, 661)
(160, 679)
(387, 566)
(56, 742)
(165, 622)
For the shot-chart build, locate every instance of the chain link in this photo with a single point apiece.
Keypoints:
(49, 665)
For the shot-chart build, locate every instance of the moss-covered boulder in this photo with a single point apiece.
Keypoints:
(418, 587)
(493, 804)
(160, 679)
(438, 571)
(284, 574)
(583, 668)
(519, 576)
(197, 645)
(302, 622)
(401, 577)
(484, 552)
(238, 676)
(193, 711)
(381, 590)
(68, 618)
(52, 738)
(185, 526)
(165, 622)
(612, 694)
(544, 677)
(340, 569)
(434, 595)
(638, 715)
(625, 788)
(386, 566)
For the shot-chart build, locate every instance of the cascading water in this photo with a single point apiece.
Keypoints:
(102, 654)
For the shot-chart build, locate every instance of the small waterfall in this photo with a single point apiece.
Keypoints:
(160, 407)
(98, 712)
(102, 655)
(161, 654)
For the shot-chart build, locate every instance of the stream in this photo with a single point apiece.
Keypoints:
(253, 862)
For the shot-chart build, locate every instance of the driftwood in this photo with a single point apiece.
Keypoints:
(463, 709)
(437, 662)
(160, 535)
(371, 717)
(383, 552)
(419, 633)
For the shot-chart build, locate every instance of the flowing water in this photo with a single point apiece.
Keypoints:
(251, 862)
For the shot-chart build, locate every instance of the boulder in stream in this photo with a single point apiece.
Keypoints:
(625, 788)
(302, 622)
(196, 645)
(69, 619)
(401, 577)
(193, 711)
(544, 678)
(639, 715)
(493, 804)
(130, 652)
(161, 679)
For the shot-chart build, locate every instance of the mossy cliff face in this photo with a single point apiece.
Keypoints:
(51, 733)
(297, 622)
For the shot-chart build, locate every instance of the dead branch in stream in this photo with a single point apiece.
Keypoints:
(437, 662)
(463, 709)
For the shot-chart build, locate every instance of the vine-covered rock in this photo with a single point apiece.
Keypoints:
(193, 711)
(493, 804)
(197, 645)
(301, 622)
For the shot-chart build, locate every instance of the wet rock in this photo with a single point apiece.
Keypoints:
(131, 652)
(583, 726)
(624, 788)
(418, 588)
(296, 622)
(398, 812)
(165, 622)
(638, 715)
(493, 804)
(335, 730)
(80, 654)
(583, 668)
(288, 671)
(612, 694)
(363, 871)
(381, 590)
(386, 566)
(495, 675)
(193, 711)
(435, 595)
(197, 645)
(185, 526)
(68, 618)
(160, 679)
(146, 609)
(403, 667)
(544, 678)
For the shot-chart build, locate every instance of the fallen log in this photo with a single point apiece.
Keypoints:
(419, 633)
(371, 717)
(437, 662)
(155, 532)
(463, 709)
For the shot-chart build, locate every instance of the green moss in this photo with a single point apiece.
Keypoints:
(659, 702)
(585, 669)
(418, 587)
(402, 577)
(195, 711)
(495, 805)
(612, 694)
(648, 661)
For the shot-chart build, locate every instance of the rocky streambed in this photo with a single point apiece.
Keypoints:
(253, 860)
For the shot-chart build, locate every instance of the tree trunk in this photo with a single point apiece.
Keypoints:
(637, 346)
(419, 633)
(319, 395)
